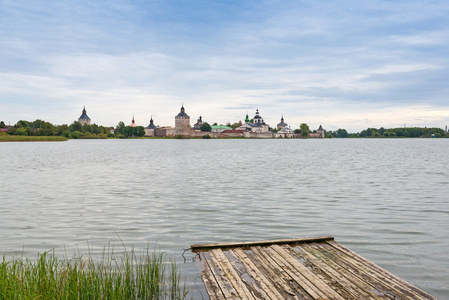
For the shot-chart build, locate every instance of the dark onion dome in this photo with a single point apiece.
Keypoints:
(282, 122)
(151, 126)
(198, 123)
(257, 116)
(321, 128)
(182, 113)
(84, 115)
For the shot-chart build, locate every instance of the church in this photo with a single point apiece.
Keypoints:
(258, 125)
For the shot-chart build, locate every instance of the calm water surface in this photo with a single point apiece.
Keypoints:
(386, 199)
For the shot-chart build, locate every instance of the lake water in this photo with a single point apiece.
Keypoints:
(386, 199)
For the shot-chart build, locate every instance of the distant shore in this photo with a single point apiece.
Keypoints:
(21, 138)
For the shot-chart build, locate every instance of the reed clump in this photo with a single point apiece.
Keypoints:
(27, 138)
(150, 275)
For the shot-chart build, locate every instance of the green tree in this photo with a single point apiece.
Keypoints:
(127, 131)
(140, 131)
(11, 130)
(40, 127)
(236, 125)
(22, 123)
(65, 133)
(21, 131)
(341, 133)
(304, 128)
(61, 128)
(120, 129)
(2, 124)
(205, 127)
(76, 134)
(95, 129)
(76, 126)
(368, 132)
(87, 128)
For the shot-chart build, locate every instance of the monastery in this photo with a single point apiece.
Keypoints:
(255, 128)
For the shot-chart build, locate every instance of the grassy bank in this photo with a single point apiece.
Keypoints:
(125, 276)
(26, 138)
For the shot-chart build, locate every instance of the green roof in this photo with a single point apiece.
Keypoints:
(220, 127)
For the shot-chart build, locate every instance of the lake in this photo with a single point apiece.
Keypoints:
(386, 199)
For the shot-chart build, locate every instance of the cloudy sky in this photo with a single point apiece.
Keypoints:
(343, 64)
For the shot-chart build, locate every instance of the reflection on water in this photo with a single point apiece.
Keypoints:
(386, 199)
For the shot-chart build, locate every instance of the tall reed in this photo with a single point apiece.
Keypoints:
(26, 138)
(149, 275)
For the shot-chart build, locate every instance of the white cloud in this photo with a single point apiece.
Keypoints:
(339, 63)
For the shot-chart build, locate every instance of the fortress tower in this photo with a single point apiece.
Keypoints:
(84, 119)
(182, 123)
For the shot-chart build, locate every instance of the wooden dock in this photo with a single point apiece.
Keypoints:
(312, 268)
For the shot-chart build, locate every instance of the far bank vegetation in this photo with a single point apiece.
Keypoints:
(40, 130)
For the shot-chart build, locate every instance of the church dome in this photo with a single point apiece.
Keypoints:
(151, 126)
(84, 115)
(182, 113)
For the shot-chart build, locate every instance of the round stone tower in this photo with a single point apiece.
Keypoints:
(182, 123)
(84, 119)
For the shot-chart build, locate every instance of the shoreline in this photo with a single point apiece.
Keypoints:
(19, 138)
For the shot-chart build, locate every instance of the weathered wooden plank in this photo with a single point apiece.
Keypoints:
(210, 282)
(222, 280)
(344, 271)
(231, 274)
(383, 274)
(361, 270)
(200, 247)
(282, 281)
(251, 283)
(298, 277)
(343, 286)
(310, 276)
(312, 268)
(268, 288)
(378, 278)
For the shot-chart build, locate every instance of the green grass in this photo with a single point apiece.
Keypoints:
(150, 275)
(26, 138)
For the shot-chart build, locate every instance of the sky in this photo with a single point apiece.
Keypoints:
(342, 64)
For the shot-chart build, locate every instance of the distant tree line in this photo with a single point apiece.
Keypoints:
(410, 132)
(122, 131)
(41, 128)
(76, 130)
